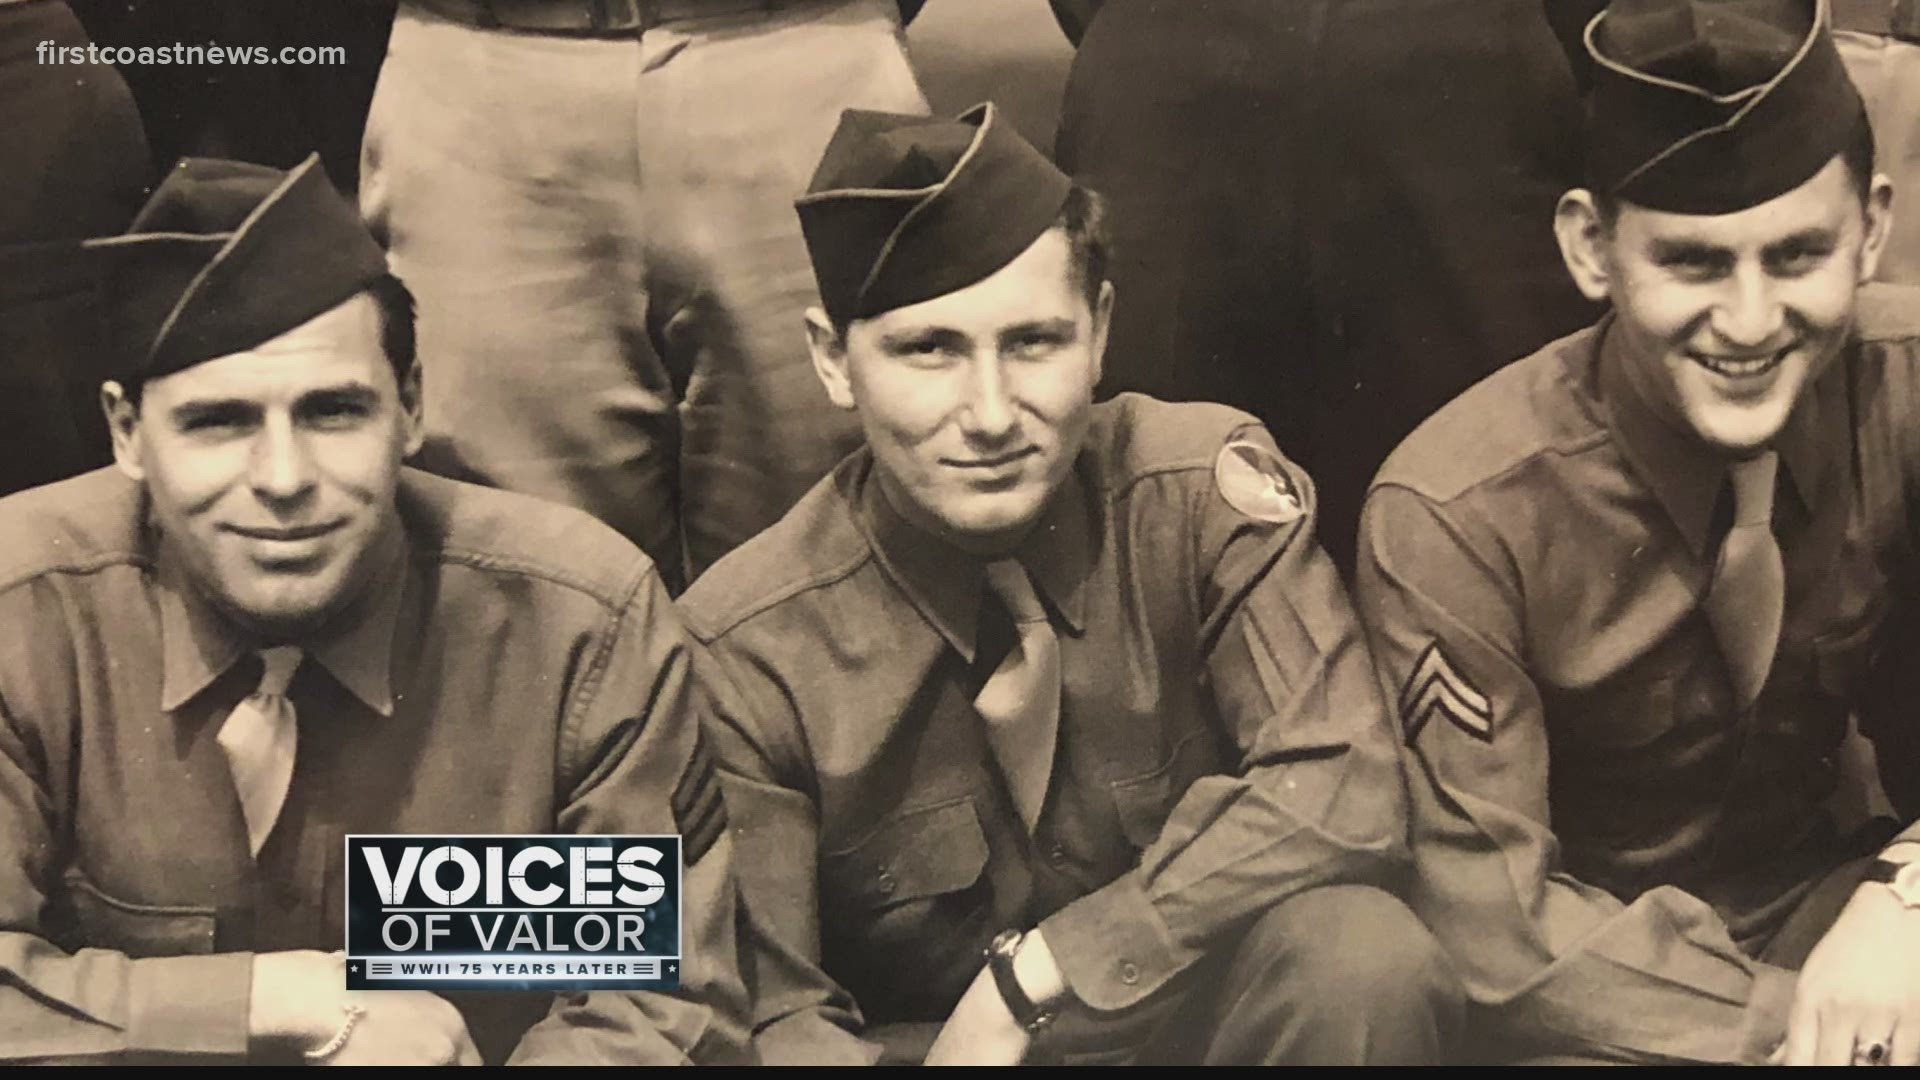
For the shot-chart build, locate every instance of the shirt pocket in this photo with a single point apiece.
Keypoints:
(911, 859)
(1611, 746)
(1144, 801)
(906, 911)
(1844, 656)
(1617, 718)
(103, 921)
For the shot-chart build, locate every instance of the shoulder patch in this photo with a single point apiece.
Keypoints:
(1254, 481)
(698, 811)
(1435, 686)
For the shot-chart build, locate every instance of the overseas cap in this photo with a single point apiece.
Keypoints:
(226, 255)
(1712, 106)
(906, 208)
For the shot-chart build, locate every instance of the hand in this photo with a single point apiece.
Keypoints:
(300, 997)
(1858, 987)
(981, 1031)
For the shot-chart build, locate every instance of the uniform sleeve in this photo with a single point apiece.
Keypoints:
(634, 760)
(1316, 797)
(1555, 959)
(93, 1004)
(801, 1015)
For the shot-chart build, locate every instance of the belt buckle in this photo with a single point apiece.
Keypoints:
(1904, 24)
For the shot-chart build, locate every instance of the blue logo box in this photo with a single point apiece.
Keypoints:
(513, 912)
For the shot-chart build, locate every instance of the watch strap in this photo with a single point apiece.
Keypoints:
(1028, 1013)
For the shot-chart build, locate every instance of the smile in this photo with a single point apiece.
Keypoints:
(284, 533)
(1741, 367)
(997, 461)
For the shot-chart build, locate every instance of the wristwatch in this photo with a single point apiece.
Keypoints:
(1902, 877)
(1026, 1012)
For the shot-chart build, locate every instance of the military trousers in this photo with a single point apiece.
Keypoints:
(1887, 71)
(611, 281)
(75, 166)
(1339, 975)
(1334, 214)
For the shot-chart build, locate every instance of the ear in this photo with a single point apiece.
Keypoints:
(1879, 225)
(829, 350)
(410, 410)
(1583, 241)
(1102, 322)
(123, 421)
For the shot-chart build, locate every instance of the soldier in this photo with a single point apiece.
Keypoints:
(1628, 590)
(1035, 707)
(262, 633)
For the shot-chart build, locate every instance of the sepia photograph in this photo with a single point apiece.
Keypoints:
(960, 532)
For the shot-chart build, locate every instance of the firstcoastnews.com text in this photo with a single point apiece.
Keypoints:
(144, 55)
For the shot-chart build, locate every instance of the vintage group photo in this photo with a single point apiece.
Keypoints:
(994, 532)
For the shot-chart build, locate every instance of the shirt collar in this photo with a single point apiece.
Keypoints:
(199, 643)
(1685, 473)
(946, 584)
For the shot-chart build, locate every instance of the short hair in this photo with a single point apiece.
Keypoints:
(1858, 154)
(394, 302)
(1089, 246)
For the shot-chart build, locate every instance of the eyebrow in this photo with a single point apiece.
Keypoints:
(355, 393)
(937, 336)
(1058, 328)
(1670, 250)
(188, 411)
(1815, 237)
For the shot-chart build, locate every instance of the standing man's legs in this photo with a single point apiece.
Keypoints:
(1887, 71)
(737, 109)
(598, 228)
(73, 164)
(501, 170)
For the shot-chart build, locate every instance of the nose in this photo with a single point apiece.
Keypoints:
(280, 470)
(1749, 314)
(988, 415)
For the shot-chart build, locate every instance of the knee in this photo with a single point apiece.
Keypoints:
(1354, 947)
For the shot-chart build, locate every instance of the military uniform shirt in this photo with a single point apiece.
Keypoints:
(513, 667)
(1603, 840)
(1221, 742)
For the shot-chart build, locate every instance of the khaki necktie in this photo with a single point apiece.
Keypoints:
(1747, 599)
(1021, 699)
(260, 739)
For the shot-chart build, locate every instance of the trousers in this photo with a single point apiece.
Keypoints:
(610, 278)
(1338, 975)
(75, 166)
(1334, 214)
(1887, 73)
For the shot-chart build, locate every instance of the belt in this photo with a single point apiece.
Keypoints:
(1899, 19)
(588, 18)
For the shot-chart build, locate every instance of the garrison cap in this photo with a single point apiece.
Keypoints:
(226, 255)
(906, 208)
(1712, 106)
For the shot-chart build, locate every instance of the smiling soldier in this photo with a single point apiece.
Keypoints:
(1628, 590)
(1040, 710)
(261, 633)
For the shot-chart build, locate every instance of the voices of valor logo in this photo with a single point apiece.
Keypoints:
(517, 912)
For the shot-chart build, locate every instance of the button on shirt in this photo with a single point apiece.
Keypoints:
(1604, 837)
(1221, 742)
(513, 667)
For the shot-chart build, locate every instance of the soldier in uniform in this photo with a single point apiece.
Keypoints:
(1627, 591)
(261, 633)
(1038, 715)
